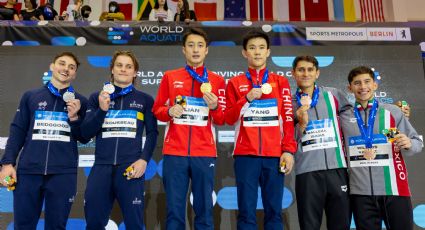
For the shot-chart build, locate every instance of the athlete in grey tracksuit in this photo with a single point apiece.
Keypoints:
(385, 184)
(320, 162)
(379, 187)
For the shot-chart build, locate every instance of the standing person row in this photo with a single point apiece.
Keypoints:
(191, 100)
(118, 115)
(45, 132)
(259, 105)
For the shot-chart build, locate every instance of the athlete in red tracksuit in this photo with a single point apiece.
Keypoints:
(264, 134)
(189, 142)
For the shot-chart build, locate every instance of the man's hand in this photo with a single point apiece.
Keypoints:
(176, 111)
(255, 93)
(302, 116)
(73, 106)
(402, 141)
(7, 170)
(139, 168)
(288, 158)
(104, 101)
(211, 100)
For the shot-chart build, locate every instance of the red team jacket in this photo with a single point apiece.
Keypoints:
(188, 140)
(269, 141)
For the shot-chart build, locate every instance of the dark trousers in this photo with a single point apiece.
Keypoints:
(325, 190)
(177, 173)
(56, 190)
(395, 211)
(107, 183)
(252, 172)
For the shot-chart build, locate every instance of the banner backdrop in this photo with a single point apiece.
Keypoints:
(401, 77)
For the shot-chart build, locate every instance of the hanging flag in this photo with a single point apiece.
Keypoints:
(206, 10)
(234, 10)
(344, 10)
(372, 11)
(261, 10)
(63, 5)
(316, 10)
(287, 10)
(144, 9)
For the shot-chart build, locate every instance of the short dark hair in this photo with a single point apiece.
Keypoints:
(68, 54)
(360, 70)
(157, 5)
(195, 31)
(124, 53)
(305, 58)
(255, 34)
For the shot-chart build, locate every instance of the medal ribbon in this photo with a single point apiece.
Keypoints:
(56, 92)
(315, 97)
(196, 76)
(123, 92)
(366, 130)
(264, 80)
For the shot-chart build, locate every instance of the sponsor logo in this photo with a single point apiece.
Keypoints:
(344, 188)
(135, 105)
(212, 165)
(243, 88)
(42, 105)
(358, 34)
(155, 33)
(178, 84)
(137, 201)
(120, 35)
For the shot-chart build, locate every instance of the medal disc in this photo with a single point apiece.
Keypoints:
(109, 88)
(68, 96)
(206, 87)
(305, 100)
(266, 88)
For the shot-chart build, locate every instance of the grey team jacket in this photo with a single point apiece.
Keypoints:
(320, 147)
(387, 173)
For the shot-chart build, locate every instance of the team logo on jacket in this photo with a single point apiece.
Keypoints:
(137, 201)
(243, 88)
(112, 104)
(42, 105)
(135, 105)
(178, 84)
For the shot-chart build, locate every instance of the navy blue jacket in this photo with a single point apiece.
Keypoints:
(30, 127)
(118, 150)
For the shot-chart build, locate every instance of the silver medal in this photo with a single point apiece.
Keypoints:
(68, 96)
(109, 88)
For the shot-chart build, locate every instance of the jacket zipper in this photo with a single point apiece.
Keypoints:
(370, 168)
(116, 143)
(48, 143)
(324, 150)
(190, 127)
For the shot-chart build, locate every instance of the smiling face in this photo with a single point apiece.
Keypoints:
(123, 71)
(306, 74)
(256, 53)
(64, 71)
(363, 87)
(195, 50)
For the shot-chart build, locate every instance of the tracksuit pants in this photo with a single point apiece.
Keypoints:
(178, 171)
(56, 190)
(251, 172)
(323, 190)
(107, 183)
(395, 211)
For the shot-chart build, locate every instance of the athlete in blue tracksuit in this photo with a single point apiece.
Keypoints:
(118, 119)
(45, 130)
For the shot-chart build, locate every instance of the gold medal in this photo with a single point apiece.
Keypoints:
(266, 88)
(206, 87)
(369, 154)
